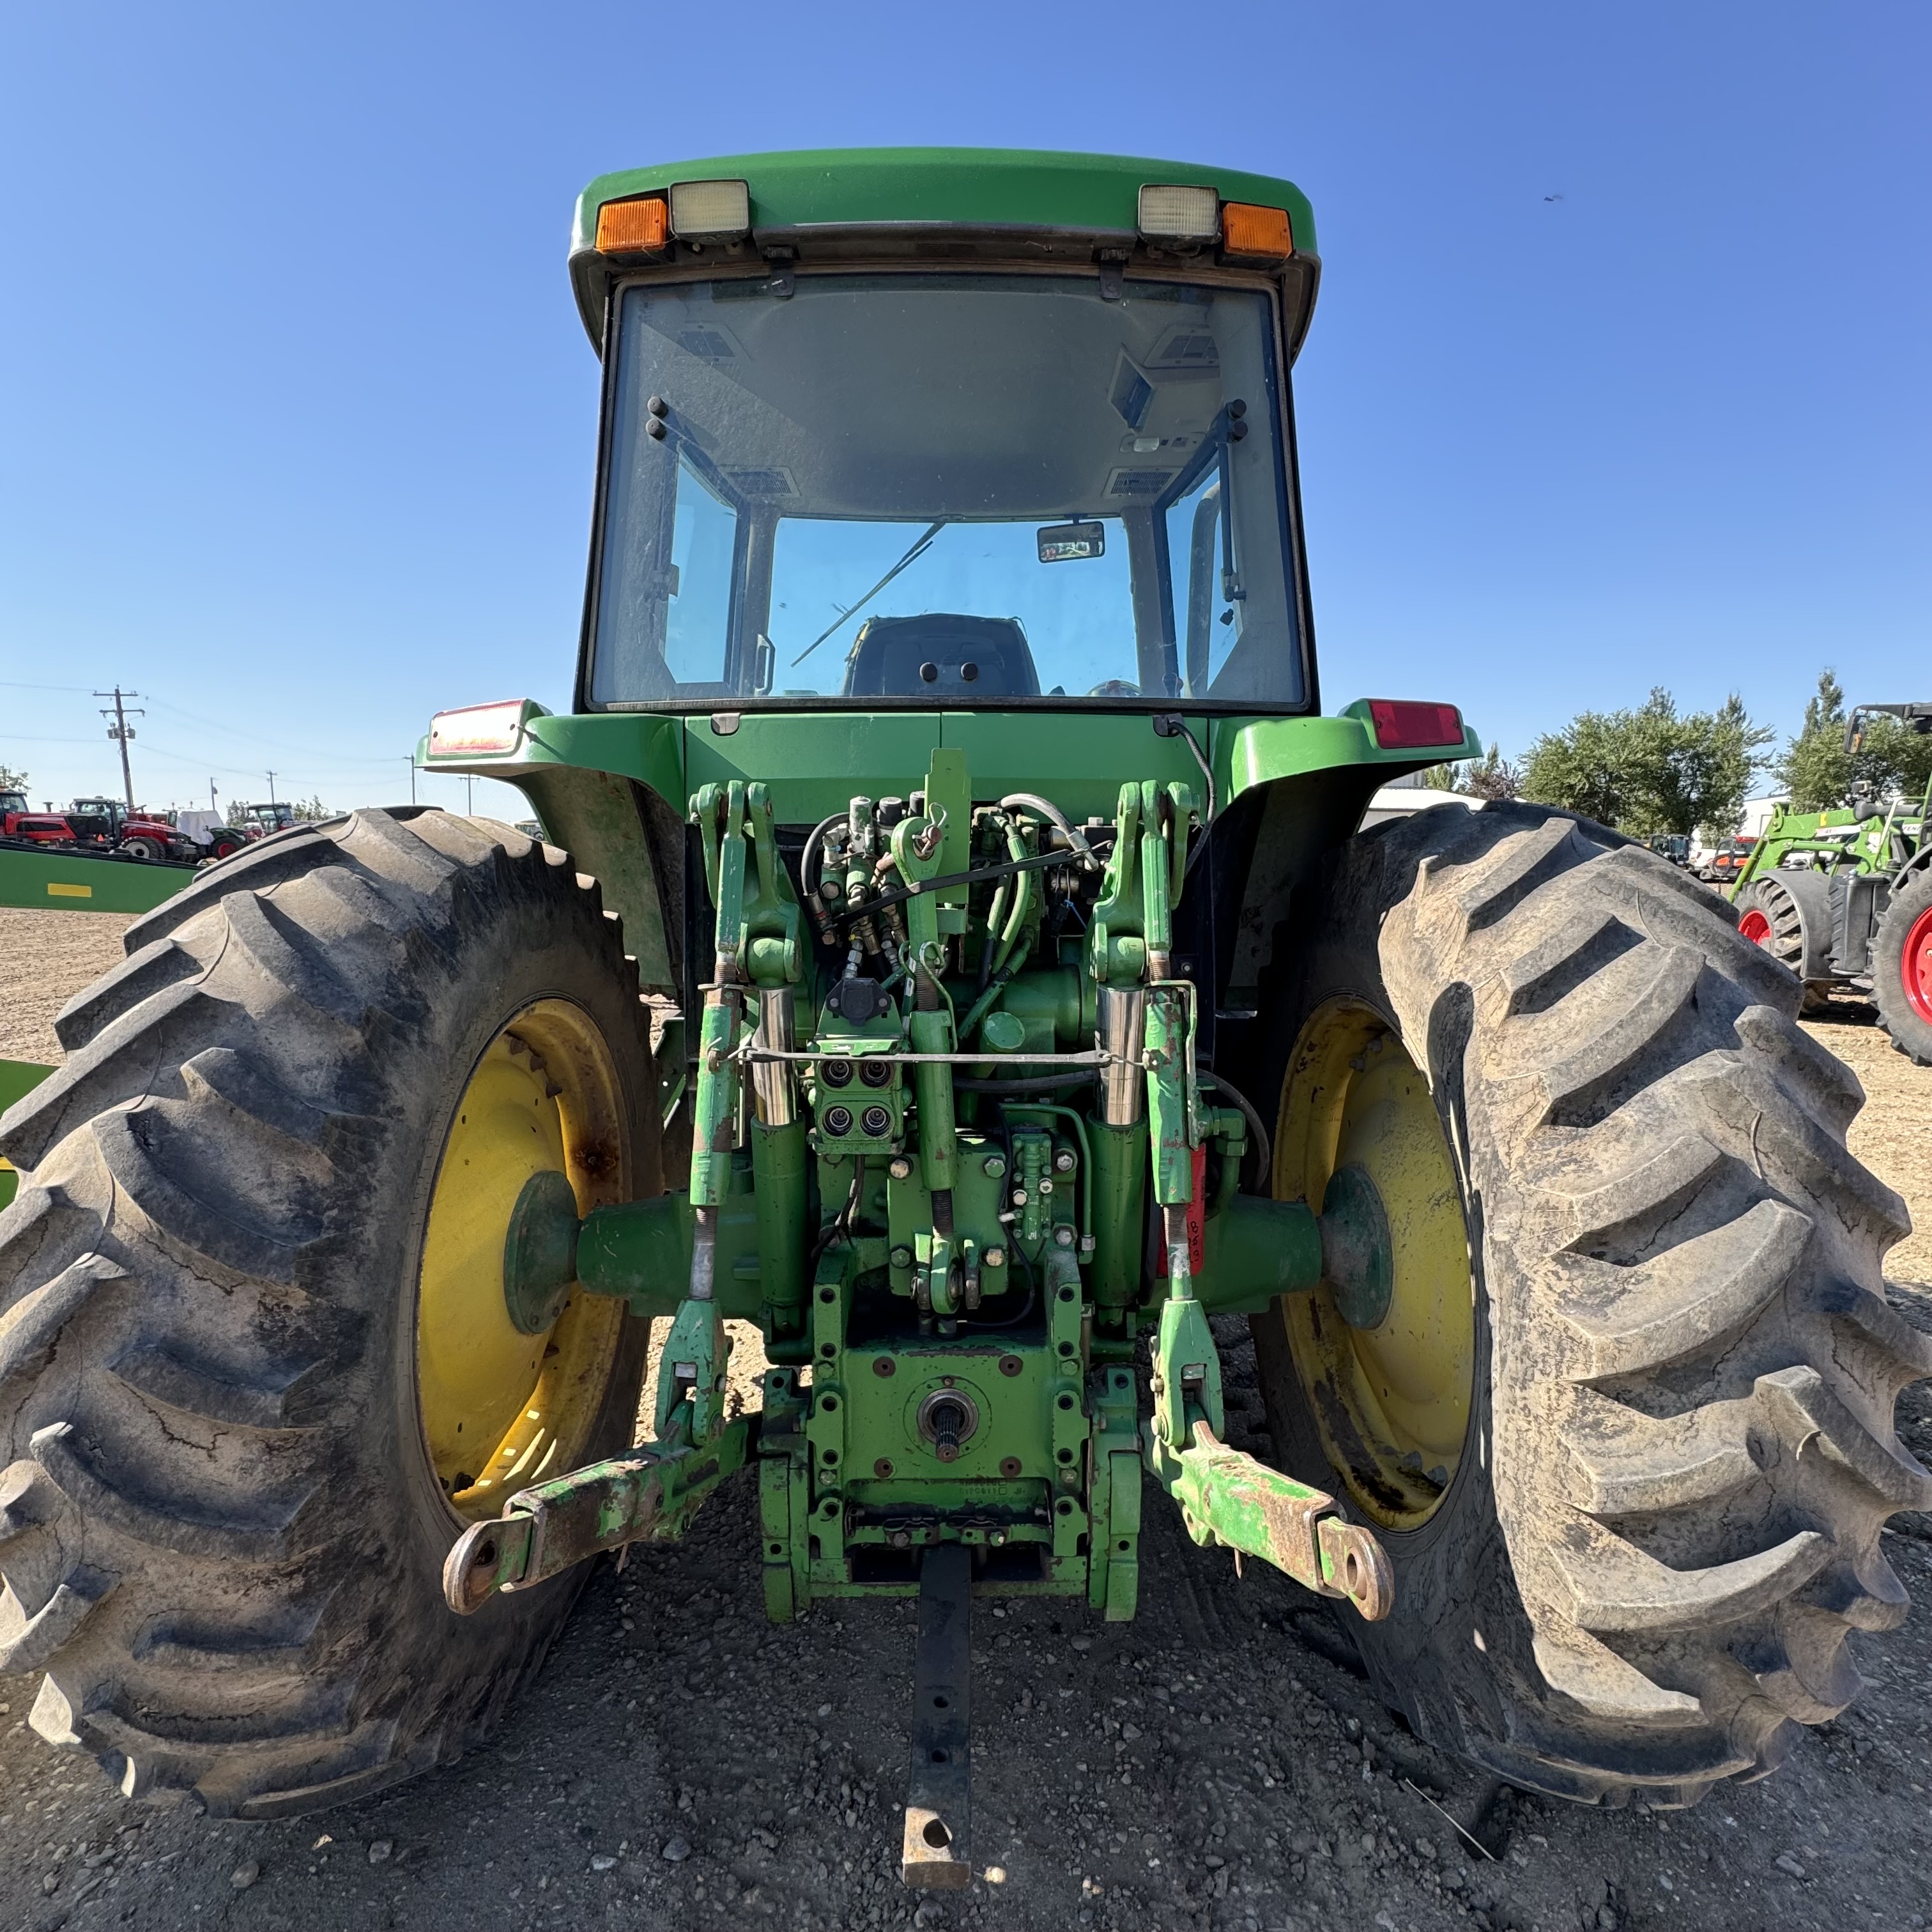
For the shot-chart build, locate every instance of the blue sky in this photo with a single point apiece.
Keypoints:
(1619, 377)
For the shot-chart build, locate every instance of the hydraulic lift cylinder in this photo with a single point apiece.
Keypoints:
(1122, 1025)
(932, 1033)
(1119, 1156)
(778, 1193)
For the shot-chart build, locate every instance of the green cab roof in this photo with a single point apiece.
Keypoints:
(1044, 204)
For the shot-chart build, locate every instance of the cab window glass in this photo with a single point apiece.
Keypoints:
(984, 487)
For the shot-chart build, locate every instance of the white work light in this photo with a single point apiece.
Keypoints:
(1176, 213)
(719, 210)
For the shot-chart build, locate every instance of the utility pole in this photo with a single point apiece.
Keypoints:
(214, 810)
(469, 796)
(411, 762)
(121, 731)
(271, 787)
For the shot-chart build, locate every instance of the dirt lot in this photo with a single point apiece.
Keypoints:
(1218, 1763)
(45, 957)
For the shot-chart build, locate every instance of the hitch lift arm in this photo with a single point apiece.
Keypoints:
(648, 1496)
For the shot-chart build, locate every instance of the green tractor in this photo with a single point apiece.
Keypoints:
(952, 950)
(1844, 897)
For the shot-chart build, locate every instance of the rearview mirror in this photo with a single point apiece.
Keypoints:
(1065, 543)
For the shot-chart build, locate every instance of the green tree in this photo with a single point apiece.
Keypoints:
(1892, 757)
(1588, 766)
(1651, 769)
(12, 781)
(1491, 776)
(1817, 771)
(306, 808)
(1815, 768)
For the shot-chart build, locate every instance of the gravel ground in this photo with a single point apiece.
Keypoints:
(45, 957)
(1217, 1764)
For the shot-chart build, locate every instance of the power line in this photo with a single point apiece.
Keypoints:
(256, 738)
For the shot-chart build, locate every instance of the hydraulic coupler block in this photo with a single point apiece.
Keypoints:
(858, 1096)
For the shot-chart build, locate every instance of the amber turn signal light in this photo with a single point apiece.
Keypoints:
(633, 227)
(1259, 234)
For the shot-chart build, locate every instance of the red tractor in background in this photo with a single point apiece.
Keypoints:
(37, 828)
(105, 824)
(147, 835)
(188, 836)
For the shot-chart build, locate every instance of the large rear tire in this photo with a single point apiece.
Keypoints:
(1901, 961)
(235, 1357)
(1636, 1566)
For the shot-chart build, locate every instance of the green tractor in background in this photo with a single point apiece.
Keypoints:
(1844, 897)
(952, 950)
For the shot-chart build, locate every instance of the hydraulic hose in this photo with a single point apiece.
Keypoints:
(1041, 1083)
(1262, 1144)
(1048, 810)
(1173, 725)
(996, 915)
(808, 857)
(1022, 885)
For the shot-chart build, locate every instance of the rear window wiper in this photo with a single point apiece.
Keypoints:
(913, 556)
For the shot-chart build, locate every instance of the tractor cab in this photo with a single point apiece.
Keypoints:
(1058, 475)
(258, 821)
(98, 821)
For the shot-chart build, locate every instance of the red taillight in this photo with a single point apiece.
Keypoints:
(477, 728)
(1403, 726)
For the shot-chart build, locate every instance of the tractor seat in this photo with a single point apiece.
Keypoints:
(940, 654)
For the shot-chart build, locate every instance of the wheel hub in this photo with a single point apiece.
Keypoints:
(512, 1366)
(1357, 1261)
(540, 1252)
(1915, 966)
(1385, 1347)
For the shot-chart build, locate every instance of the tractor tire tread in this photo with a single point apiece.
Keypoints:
(186, 1320)
(1694, 1369)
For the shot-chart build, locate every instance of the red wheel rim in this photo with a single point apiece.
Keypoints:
(1756, 927)
(1915, 966)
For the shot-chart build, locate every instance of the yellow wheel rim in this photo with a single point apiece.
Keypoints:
(1391, 1403)
(499, 1408)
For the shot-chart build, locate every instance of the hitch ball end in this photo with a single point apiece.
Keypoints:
(483, 1559)
(1354, 1565)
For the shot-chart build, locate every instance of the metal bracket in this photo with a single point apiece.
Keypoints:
(1113, 1582)
(648, 1496)
(1186, 1372)
(935, 1852)
(694, 1362)
(1227, 1497)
